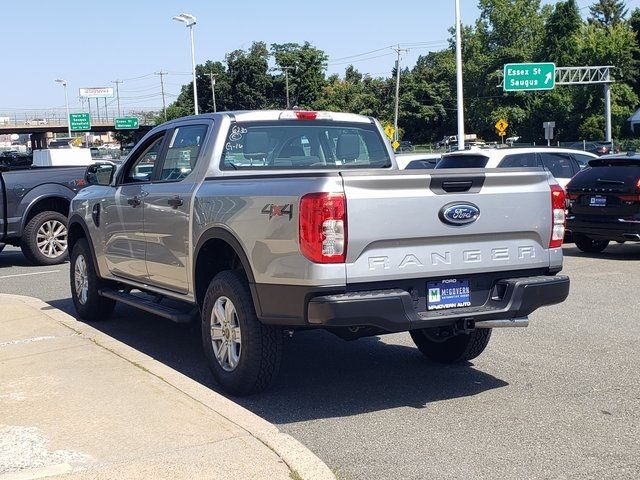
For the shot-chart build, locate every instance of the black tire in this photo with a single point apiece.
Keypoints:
(29, 240)
(260, 350)
(589, 245)
(456, 349)
(95, 307)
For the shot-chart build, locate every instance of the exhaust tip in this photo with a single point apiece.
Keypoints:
(631, 236)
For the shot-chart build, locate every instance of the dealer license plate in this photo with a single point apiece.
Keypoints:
(450, 293)
(598, 201)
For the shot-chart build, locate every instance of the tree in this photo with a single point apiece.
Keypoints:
(250, 80)
(561, 32)
(608, 13)
(306, 66)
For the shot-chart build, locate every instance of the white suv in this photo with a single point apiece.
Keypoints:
(563, 163)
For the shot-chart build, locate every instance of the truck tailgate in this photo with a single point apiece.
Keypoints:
(395, 230)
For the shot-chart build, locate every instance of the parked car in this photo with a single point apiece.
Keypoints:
(597, 148)
(411, 161)
(405, 146)
(562, 163)
(604, 202)
(255, 222)
(34, 203)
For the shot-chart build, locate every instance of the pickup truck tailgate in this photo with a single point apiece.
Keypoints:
(395, 230)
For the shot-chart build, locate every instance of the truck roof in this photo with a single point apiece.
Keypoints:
(271, 115)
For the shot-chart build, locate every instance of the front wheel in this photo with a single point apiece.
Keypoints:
(589, 245)
(243, 354)
(459, 348)
(85, 285)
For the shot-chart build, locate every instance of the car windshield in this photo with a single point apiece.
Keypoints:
(462, 161)
(303, 145)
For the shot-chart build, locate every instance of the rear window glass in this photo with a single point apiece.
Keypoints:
(463, 161)
(303, 145)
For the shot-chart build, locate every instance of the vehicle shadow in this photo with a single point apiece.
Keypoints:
(615, 251)
(11, 257)
(322, 376)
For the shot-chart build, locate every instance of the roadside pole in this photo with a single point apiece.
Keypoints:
(398, 51)
(459, 79)
(607, 112)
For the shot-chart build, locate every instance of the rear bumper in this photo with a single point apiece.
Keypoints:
(394, 310)
(619, 229)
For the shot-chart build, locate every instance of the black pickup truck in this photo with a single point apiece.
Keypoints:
(34, 204)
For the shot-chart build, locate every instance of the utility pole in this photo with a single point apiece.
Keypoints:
(212, 76)
(118, 82)
(164, 105)
(285, 70)
(459, 79)
(398, 50)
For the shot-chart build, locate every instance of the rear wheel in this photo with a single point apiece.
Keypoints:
(589, 245)
(44, 240)
(243, 354)
(459, 348)
(85, 285)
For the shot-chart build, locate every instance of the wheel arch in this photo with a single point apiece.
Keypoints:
(45, 198)
(231, 255)
(77, 229)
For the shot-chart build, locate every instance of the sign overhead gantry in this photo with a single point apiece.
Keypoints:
(562, 76)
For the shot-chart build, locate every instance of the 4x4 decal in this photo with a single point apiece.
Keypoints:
(274, 210)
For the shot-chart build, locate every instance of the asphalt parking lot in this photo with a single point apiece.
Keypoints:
(560, 399)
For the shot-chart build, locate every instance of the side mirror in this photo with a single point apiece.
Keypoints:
(100, 174)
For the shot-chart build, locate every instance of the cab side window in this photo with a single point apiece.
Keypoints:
(519, 160)
(141, 168)
(559, 164)
(182, 153)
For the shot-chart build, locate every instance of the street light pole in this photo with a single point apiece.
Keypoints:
(189, 20)
(66, 103)
(459, 79)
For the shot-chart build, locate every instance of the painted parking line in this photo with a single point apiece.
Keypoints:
(28, 274)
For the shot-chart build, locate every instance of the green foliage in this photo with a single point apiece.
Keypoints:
(306, 66)
(608, 13)
(507, 31)
(562, 32)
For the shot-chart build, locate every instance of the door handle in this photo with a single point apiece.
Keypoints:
(175, 202)
(134, 201)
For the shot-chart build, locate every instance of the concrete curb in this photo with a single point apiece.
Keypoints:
(297, 457)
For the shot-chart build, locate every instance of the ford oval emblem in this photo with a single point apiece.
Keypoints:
(459, 213)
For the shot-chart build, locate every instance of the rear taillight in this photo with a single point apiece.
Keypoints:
(558, 205)
(323, 227)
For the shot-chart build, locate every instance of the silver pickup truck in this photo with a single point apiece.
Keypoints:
(261, 223)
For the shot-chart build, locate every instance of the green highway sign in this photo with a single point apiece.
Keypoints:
(79, 122)
(126, 123)
(520, 77)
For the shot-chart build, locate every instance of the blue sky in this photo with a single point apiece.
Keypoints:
(92, 43)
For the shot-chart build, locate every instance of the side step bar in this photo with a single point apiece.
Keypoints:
(150, 306)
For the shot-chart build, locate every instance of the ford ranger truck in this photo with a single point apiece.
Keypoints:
(261, 223)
